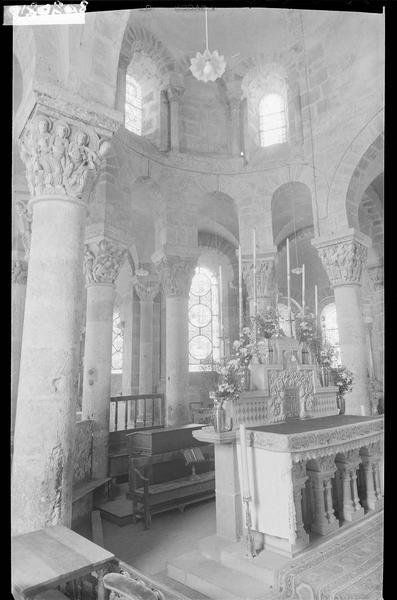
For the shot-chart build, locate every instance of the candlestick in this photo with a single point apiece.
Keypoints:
(254, 269)
(303, 289)
(244, 463)
(240, 292)
(315, 302)
(221, 312)
(289, 287)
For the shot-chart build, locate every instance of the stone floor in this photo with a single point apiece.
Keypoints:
(347, 566)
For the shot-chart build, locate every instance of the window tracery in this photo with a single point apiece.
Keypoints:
(204, 334)
(329, 330)
(272, 120)
(133, 105)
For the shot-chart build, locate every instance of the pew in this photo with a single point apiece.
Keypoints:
(149, 498)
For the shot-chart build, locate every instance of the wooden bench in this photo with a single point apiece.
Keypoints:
(149, 498)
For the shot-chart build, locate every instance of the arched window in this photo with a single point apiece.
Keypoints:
(117, 343)
(133, 105)
(284, 320)
(272, 120)
(329, 330)
(204, 343)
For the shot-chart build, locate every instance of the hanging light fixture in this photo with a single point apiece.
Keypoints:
(207, 66)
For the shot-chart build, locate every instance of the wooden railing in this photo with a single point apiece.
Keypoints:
(136, 412)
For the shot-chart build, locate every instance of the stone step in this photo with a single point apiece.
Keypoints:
(216, 581)
(263, 567)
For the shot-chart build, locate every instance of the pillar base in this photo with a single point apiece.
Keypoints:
(352, 515)
(283, 546)
(325, 528)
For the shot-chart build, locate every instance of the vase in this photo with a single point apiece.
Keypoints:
(341, 404)
(305, 354)
(220, 420)
(324, 376)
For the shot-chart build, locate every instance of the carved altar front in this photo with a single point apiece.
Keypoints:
(283, 386)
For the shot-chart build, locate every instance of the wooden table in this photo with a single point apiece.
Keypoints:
(47, 558)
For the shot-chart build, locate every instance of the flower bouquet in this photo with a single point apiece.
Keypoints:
(343, 379)
(305, 327)
(266, 323)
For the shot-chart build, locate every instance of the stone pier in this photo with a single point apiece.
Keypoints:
(176, 274)
(343, 258)
(59, 181)
(102, 261)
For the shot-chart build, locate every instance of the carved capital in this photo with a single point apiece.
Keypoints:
(349, 460)
(102, 262)
(146, 286)
(343, 261)
(25, 218)
(376, 276)
(61, 156)
(176, 274)
(299, 474)
(264, 277)
(19, 272)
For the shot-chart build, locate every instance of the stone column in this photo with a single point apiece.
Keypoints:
(147, 287)
(299, 478)
(265, 283)
(343, 259)
(320, 475)
(347, 465)
(61, 156)
(18, 293)
(174, 96)
(164, 144)
(102, 262)
(176, 274)
(376, 276)
(234, 104)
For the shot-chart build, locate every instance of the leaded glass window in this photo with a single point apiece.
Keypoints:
(117, 343)
(204, 343)
(133, 105)
(272, 120)
(329, 330)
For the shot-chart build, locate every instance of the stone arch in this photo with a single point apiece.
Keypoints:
(291, 209)
(369, 167)
(338, 190)
(217, 213)
(370, 221)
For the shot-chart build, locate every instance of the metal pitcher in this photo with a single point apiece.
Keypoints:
(220, 420)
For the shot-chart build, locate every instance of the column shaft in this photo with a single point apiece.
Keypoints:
(177, 360)
(18, 294)
(46, 415)
(97, 370)
(146, 348)
(353, 346)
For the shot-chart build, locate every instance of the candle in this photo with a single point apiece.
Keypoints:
(289, 288)
(254, 269)
(244, 463)
(240, 291)
(220, 310)
(303, 289)
(315, 302)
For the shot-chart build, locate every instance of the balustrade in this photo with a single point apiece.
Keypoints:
(348, 465)
(137, 412)
(320, 472)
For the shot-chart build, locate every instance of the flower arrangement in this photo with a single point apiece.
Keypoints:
(231, 383)
(343, 379)
(305, 325)
(243, 348)
(266, 323)
(322, 350)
